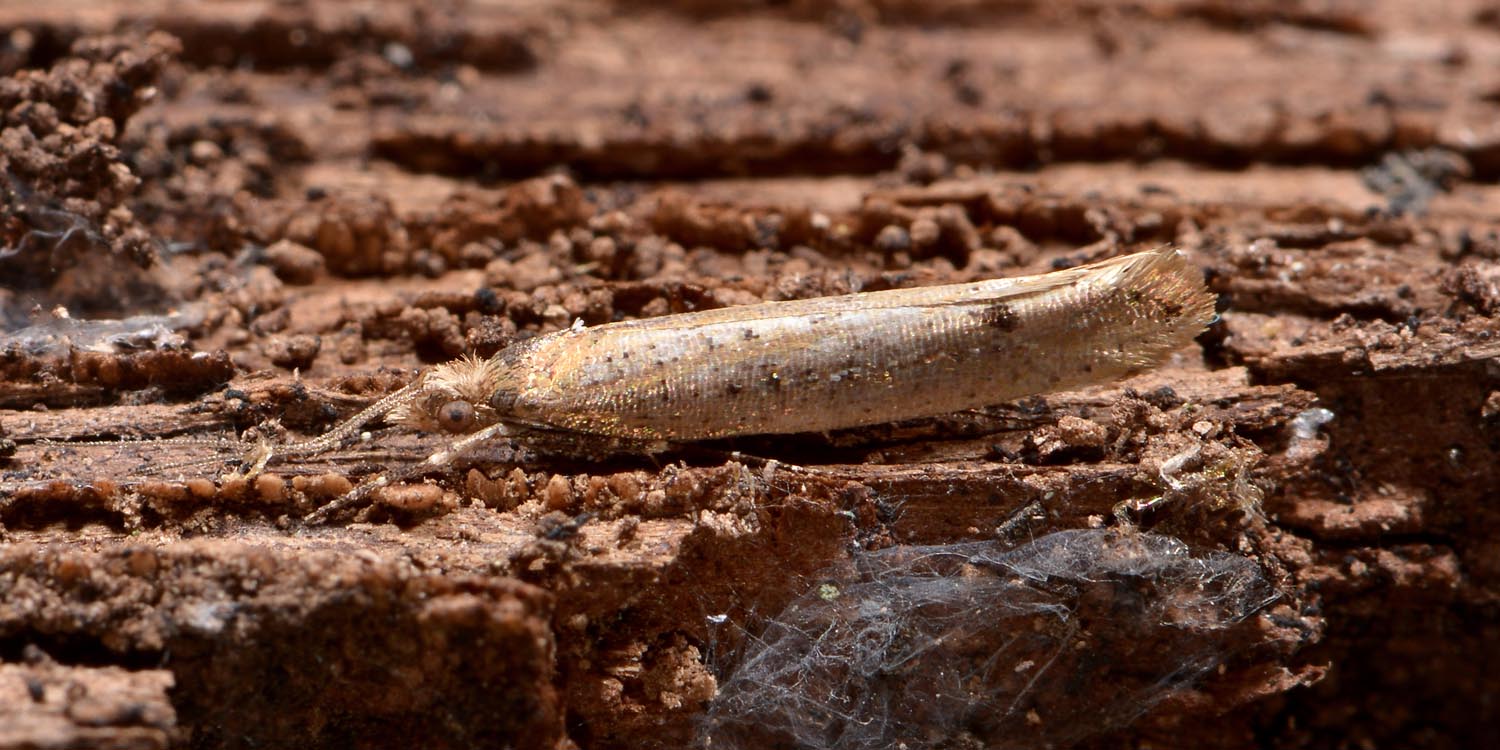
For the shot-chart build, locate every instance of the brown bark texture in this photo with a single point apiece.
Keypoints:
(226, 225)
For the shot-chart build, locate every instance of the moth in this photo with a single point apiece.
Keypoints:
(809, 365)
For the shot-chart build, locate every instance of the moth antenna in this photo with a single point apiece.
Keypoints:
(219, 442)
(185, 464)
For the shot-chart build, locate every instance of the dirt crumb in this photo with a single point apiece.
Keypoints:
(411, 497)
(293, 352)
(64, 220)
(45, 704)
(1070, 437)
(674, 675)
(294, 263)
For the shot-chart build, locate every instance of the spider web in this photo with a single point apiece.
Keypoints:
(987, 645)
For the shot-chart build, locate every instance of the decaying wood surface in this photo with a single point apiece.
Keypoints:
(261, 217)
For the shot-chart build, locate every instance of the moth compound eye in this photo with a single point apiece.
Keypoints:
(456, 416)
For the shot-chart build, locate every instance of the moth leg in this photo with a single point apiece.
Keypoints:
(446, 456)
(770, 466)
(358, 495)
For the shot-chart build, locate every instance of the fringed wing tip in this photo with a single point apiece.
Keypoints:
(1167, 276)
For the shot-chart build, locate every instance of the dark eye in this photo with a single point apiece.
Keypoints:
(456, 416)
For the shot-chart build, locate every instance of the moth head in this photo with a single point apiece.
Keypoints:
(453, 398)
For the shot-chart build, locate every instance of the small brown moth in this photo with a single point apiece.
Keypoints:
(810, 365)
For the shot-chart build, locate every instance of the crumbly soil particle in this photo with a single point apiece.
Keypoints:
(232, 226)
(51, 705)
